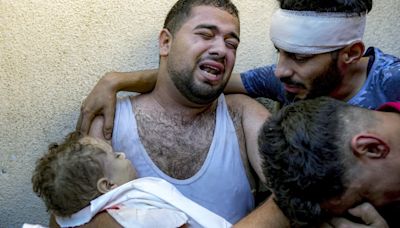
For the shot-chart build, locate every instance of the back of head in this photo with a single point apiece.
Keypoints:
(303, 164)
(343, 6)
(182, 9)
(66, 176)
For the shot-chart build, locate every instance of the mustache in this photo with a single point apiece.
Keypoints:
(213, 58)
(289, 81)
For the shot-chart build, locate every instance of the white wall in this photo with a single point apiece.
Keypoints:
(52, 52)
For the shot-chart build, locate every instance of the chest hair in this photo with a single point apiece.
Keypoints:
(178, 147)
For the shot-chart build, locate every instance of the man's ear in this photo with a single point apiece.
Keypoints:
(353, 52)
(369, 146)
(165, 40)
(104, 185)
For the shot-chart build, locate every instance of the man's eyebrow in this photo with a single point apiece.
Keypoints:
(215, 28)
(291, 53)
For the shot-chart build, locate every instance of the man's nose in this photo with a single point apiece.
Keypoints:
(283, 67)
(218, 48)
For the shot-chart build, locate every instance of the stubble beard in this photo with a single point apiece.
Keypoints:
(197, 93)
(326, 83)
(322, 85)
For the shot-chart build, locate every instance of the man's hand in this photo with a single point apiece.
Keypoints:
(100, 101)
(366, 212)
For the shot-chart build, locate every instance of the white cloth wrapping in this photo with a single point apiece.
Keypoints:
(27, 225)
(309, 32)
(147, 202)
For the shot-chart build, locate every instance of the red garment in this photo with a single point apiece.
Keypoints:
(390, 107)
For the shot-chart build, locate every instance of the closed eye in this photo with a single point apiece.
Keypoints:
(301, 57)
(233, 44)
(205, 34)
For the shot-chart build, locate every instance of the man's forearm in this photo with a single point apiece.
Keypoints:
(144, 81)
(138, 81)
(235, 85)
(267, 215)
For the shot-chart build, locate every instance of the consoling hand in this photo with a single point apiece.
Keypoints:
(100, 101)
(366, 212)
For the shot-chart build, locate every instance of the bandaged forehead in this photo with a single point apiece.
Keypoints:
(309, 32)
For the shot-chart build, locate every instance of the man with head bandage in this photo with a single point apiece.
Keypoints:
(321, 53)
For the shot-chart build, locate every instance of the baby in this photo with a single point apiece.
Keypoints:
(84, 176)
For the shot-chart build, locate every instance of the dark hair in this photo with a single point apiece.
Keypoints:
(182, 9)
(302, 159)
(345, 6)
(66, 176)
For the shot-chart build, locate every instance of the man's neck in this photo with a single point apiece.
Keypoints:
(171, 101)
(354, 78)
(385, 190)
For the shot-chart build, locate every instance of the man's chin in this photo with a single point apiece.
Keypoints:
(292, 97)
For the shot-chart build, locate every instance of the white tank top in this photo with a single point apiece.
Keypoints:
(221, 184)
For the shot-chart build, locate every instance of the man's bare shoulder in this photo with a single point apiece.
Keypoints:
(241, 102)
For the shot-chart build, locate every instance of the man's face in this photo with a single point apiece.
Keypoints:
(202, 54)
(308, 76)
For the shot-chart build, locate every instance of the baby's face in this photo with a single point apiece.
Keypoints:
(118, 169)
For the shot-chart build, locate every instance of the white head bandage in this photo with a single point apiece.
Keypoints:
(309, 32)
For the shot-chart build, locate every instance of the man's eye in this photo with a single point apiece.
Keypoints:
(232, 44)
(205, 35)
(302, 58)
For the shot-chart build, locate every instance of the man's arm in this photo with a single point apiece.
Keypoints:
(102, 99)
(267, 214)
(235, 85)
(102, 219)
(253, 116)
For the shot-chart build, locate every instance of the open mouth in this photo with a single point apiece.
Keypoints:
(214, 70)
(293, 88)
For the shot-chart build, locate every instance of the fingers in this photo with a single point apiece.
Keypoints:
(345, 223)
(108, 123)
(85, 119)
(369, 215)
(100, 102)
(78, 123)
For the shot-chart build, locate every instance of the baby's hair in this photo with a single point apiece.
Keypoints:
(66, 176)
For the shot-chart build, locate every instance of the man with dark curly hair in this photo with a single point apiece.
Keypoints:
(323, 156)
